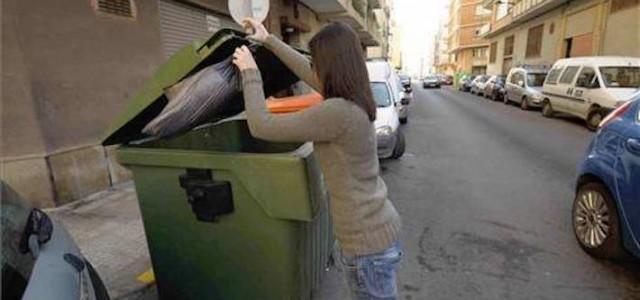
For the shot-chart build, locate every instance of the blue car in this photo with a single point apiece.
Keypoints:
(606, 209)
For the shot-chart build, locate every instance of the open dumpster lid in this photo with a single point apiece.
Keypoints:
(149, 101)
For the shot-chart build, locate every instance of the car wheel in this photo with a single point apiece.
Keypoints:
(594, 119)
(547, 109)
(404, 120)
(398, 150)
(524, 105)
(595, 222)
(505, 99)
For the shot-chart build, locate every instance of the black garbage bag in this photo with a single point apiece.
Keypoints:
(198, 99)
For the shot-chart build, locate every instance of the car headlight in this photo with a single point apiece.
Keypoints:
(384, 130)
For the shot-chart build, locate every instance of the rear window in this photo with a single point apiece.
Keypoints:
(381, 94)
(569, 74)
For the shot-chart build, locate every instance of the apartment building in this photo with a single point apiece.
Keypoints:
(441, 59)
(69, 67)
(538, 32)
(468, 19)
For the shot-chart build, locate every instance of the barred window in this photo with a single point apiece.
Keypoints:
(508, 45)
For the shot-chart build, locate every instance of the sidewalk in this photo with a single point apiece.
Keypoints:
(108, 229)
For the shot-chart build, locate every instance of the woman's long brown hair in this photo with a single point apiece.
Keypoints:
(339, 62)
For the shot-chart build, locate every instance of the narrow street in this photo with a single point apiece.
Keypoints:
(485, 193)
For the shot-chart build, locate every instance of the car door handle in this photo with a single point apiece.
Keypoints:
(634, 144)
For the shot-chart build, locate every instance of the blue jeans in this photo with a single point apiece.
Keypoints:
(373, 277)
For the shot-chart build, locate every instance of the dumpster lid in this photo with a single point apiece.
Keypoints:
(149, 101)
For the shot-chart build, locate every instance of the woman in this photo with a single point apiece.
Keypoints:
(366, 224)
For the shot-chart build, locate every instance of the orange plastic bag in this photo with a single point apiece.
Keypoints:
(293, 104)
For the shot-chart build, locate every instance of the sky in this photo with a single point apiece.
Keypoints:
(419, 21)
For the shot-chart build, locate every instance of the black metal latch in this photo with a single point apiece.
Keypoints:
(208, 198)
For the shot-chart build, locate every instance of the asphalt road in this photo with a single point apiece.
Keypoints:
(485, 193)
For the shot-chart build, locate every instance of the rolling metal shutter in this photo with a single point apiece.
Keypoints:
(180, 24)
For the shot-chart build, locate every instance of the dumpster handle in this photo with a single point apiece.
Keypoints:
(208, 198)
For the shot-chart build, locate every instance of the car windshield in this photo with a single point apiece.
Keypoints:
(621, 77)
(381, 94)
(536, 79)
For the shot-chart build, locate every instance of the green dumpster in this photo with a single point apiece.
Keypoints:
(226, 215)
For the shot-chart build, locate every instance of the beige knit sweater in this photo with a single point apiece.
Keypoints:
(365, 221)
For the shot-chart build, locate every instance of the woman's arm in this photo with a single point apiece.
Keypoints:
(295, 61)
(323, 122)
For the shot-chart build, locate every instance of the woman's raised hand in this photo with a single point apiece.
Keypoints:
(243, 59)
(255, 30)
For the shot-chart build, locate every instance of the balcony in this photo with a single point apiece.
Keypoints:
(356, 13)
(522, 11)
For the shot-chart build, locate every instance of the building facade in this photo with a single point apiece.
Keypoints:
(442, 60)
(538, 32)
(467, 21)
(69, 67)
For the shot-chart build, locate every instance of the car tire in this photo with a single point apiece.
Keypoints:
(404, 120)
(524, 105)
(594, 118)
(398, 150)
(547, 109)
(593, 203)
(505, 99)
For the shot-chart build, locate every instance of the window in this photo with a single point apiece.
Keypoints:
(493, 52)
(617, 5)
(479, 52)
(381, 94)
(587, 78)
(621, 77)
(508, 46)
(553, 76)
(123, 8)
(481, 11)
(568, 75)
(503, 10)
(515, 77)
(534, 41)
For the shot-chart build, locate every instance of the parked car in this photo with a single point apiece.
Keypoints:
(385, 87)
(406, 96)
(39, 258)
(478, 84)
(591, 87)
(494, 89)
(405, 79)
(524, 87)
(465, 83)
(606, 208)
(445, 79)
(430, 81)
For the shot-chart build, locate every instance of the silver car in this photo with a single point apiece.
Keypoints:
(524, 86)
(40, 260)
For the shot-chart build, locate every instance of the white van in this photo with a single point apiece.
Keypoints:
(590, 87)
(388, 96)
